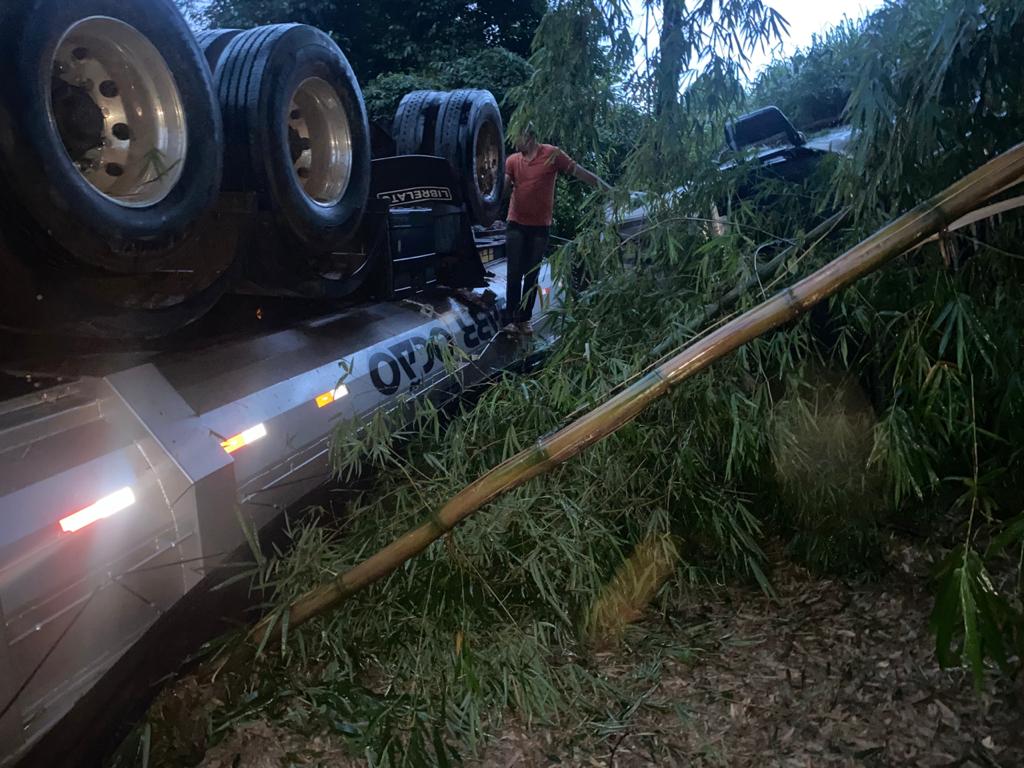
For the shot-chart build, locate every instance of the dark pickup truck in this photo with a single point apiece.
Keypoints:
(764, 138)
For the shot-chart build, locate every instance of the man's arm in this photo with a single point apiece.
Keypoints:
(589, 177)
(566, 164)
(507, 194)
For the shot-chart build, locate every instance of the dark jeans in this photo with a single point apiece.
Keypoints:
(524, 251)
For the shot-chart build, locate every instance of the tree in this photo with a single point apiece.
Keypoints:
(813, 86)
(394, 35)
(585, 62)
(493, 69)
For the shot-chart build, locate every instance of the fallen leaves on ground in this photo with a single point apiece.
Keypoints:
(260, 744)
(825, 674)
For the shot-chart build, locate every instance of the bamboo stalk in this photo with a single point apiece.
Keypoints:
(549, 452)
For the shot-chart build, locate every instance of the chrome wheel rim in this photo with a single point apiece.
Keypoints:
(487, 158)
(319, 141)
(118, 111)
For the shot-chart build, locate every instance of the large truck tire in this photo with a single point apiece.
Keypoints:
(111, 136)
(415, 120)
(470, 134)
(296, 131)
(213, 43)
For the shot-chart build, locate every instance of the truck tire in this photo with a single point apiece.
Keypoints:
(112, 137)
(213, 43)
(296, 131)
(451, 116)
(415, 119)
(470, 134)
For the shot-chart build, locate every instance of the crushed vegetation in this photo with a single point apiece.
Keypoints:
(748, 520)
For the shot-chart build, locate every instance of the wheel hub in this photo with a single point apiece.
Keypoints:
(118, 111)
(319, 141)
(79, 119)
(487, 158)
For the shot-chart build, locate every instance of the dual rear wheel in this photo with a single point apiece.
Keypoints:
(296, 132)
(113, 151)
(464, 127)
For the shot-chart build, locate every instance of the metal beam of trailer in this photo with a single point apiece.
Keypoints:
(120, 493)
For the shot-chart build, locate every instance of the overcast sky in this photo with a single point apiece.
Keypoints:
(805, 17)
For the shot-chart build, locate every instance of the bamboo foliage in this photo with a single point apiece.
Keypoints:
(896, 238)
(770, 268)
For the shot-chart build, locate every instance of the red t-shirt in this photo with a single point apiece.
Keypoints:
(533, 196)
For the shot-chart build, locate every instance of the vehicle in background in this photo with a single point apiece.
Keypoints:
(764, 143)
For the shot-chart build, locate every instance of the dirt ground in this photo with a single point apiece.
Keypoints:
(824, 674)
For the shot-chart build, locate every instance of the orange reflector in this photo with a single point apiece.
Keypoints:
(105, 507)
(329, 397)
(251, 435)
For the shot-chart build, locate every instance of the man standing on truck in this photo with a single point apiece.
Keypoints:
(530, 174)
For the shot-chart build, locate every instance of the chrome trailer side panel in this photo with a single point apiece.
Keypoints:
(364, 360)
(150, 439)
(75, 600)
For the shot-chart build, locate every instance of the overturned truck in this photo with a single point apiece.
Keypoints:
(154, 184)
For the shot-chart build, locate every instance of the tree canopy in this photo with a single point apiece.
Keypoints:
(497, 70)
(380, 36)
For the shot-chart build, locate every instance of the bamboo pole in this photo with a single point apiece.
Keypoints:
(892, 240)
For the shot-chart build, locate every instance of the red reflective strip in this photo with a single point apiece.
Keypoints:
(105, 507)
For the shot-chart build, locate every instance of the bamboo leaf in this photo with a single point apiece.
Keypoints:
(969, 613)
(946, 616)
(1012, 533)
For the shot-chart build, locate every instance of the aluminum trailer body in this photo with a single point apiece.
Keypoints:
(121, 491)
